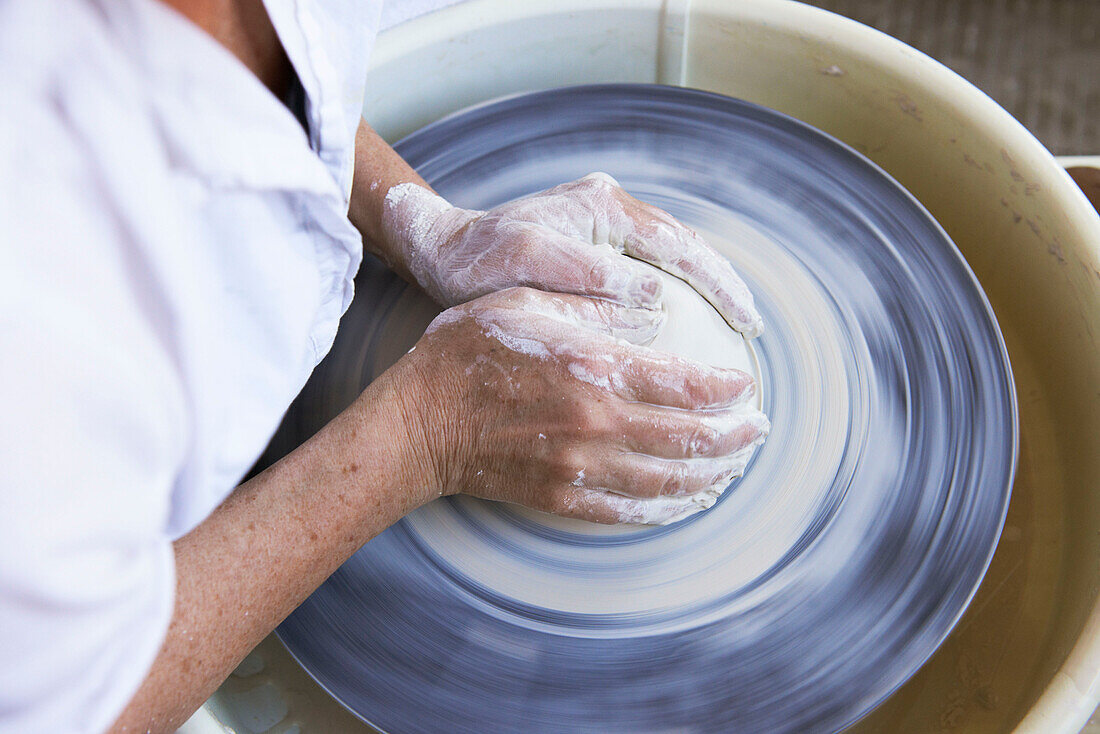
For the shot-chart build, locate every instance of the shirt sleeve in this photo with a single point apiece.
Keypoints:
(90, 439)
(328, 43)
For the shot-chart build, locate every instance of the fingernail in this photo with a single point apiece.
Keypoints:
(641, 325)
(764, 427)
(646, 289)
(643, 317)
(752, 327)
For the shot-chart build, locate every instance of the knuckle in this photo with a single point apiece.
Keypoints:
(592, 371)
(520, 297)
(600, 269)
(452, 316)
(551, 499)
(676, 480)
(612, 274)
(565, 462)
(496, 298)
(590, 421)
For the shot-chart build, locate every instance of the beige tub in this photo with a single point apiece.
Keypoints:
(1027, 654)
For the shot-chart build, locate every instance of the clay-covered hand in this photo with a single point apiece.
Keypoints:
(541, 399)
(582, 237)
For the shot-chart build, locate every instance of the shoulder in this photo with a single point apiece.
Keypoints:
(73, 107)
(93, 414)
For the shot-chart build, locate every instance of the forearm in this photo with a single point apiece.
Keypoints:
(378, 168)
(271, 543)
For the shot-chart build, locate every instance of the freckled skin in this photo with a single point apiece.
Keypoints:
(518, 427)
(573, 238)
(426, 428)
(560, 444)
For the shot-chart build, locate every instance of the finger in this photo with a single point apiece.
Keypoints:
(658, 378)
(662, 241)
(685, 434)
(644, 375)
(518, 320)
(555, 262)
(596, 208)
(637, 325)
(609, 508)
(638, 475)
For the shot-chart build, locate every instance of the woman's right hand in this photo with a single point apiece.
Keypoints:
(541, 399)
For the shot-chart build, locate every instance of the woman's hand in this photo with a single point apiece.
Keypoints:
(573, 238)
(539, 399)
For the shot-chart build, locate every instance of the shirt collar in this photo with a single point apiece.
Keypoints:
(217, 118)
(305, 37)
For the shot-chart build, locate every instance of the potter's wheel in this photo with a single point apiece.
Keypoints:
(817, 584)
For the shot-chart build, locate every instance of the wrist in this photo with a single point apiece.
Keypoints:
(414, 427)
(417, 224)
(371, 457)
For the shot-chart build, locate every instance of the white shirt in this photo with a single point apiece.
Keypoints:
(174, 258)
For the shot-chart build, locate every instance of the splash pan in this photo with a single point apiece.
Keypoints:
(820, 582)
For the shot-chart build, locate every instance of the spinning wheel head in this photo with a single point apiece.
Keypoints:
(818, 583)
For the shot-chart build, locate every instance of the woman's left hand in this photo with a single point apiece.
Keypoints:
(584, 237)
